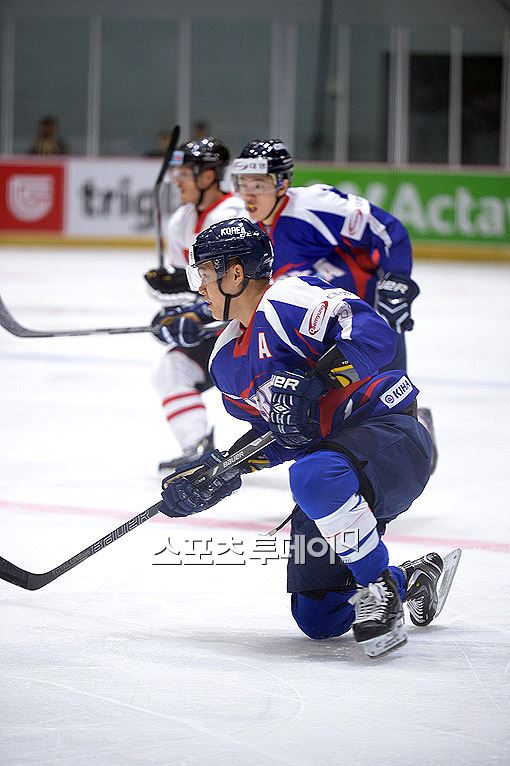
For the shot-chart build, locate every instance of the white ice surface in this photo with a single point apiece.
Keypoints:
(122, 662)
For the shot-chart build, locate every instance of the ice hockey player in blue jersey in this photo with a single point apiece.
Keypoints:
(320, 231)
(301, 359)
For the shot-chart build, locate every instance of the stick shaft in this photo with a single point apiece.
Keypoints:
(174, 138)
(33, 581)
(10, 324)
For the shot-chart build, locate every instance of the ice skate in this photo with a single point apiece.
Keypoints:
(195, 452)
(429, 580)
(425, 418)
(379, 620)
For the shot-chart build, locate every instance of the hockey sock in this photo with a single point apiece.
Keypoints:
(371, 566)
(400, 580)
(186, 415)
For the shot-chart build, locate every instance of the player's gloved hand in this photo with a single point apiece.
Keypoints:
(292, 396)
(182, 497)
(184, 327)
(164, 282)
(394, 294)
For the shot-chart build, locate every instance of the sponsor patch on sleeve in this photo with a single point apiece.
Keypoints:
(356, 219)
(315, 320)
(396, 393)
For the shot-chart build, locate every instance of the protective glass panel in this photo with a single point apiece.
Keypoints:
(230, 80)
(481, 96)
(429, 86)
(368, 113)
(50, 80)
(138, 85)
(315, 93)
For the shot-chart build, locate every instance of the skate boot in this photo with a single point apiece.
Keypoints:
(425, 418)
(379, 622)
(428, 582)
(205, 444)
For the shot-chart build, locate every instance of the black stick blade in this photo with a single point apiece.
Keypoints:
(13, 574)
(33, 581)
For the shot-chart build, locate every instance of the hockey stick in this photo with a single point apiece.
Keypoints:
(33, 581)
(174, 138)
(8, 322)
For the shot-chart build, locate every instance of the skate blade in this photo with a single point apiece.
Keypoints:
(374, 647)
(450, 564)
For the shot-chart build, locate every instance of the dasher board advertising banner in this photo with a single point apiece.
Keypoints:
(110, 197)
(464, 213)
(435, 206)
(81, 199)
(32, 197)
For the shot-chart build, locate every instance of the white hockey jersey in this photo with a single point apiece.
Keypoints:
(184, 225)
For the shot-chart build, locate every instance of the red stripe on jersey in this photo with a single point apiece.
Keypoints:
(280, 210)
(242, 343)
(185, 409)
(245, 392)
(360, 265)
(288, 267)
(301, 337)
(242, 405)
(179, 396)
(330, 402)
(203, 213)
(368, 393)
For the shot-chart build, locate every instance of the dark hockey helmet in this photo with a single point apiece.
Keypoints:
(207, 153)
(279, 160)
(223, 241)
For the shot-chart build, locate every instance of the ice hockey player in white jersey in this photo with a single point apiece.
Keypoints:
(302, 360)
(197, 169)
(343, 238)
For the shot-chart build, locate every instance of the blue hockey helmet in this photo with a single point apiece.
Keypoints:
(270, 156)
(223, 241)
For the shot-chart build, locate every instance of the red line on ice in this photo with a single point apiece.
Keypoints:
(250, 526)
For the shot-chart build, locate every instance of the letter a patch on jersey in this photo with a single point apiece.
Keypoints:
(264, 352)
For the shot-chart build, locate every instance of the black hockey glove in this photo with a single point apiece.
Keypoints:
(182, 498)
(183, 327)
(164, 282)
(394, 294)
(292, 396)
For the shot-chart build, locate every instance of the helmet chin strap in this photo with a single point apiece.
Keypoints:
(277, 201)
(203, 191)
(228, 296)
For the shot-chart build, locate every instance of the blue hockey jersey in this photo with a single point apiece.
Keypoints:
(339, 237)
(296, 322)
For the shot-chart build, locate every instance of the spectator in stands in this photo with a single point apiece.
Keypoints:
(200, 129)
(48, 140)
(162, 139)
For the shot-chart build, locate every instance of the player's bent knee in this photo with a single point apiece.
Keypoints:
(327, 616)
(322, 481)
